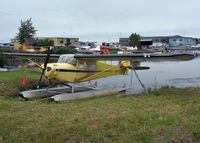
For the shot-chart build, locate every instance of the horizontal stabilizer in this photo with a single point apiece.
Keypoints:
(138, 68)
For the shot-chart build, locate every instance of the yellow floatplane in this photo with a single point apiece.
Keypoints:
(81, 68)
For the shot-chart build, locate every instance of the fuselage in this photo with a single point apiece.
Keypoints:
(68, 73)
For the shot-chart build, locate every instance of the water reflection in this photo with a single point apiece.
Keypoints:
(178, 74)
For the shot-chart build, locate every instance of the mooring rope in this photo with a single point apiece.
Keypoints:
(138, 78)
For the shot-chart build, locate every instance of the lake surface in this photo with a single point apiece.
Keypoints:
(178, 74)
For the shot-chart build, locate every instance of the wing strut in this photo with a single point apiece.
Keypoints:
(138, 78)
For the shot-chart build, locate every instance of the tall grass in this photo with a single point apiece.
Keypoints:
(167, 115)
(10, 82)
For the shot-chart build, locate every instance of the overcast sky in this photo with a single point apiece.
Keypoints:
(101, 20)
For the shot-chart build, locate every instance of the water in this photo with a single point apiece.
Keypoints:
(178, 74)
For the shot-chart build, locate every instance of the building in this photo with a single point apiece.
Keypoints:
(58, 41)
(77, 44)
(146, 43)
(154, 39)
(124, 41)
(5, 45)
(29, 45)
(179, 41)
(172, 41)
(157, 39)
(15, 44)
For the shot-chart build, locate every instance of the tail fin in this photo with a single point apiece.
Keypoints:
(125, 64)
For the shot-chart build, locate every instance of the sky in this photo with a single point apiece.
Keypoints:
(101, 20)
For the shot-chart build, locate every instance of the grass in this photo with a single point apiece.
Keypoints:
(166, 115)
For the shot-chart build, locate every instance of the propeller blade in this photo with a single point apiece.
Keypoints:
(45, 66)
(138, 68)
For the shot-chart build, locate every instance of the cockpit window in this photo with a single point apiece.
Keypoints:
(67, 59)
(72, 61)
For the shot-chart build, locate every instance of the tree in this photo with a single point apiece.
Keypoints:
(26, 30)
(3, 59)
(134, 40)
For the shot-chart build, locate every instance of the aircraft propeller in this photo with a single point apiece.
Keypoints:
(45, 66)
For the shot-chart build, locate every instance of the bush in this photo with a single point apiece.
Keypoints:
(113, 51)
(44, 42)
(13, 87)
(3, 60)
(64, 50)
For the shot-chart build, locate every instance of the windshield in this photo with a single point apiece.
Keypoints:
(67, 59)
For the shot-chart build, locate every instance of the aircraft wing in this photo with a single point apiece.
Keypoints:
(136, 57)
(29, 55)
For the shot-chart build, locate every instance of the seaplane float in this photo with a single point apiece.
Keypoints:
(70, 71)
